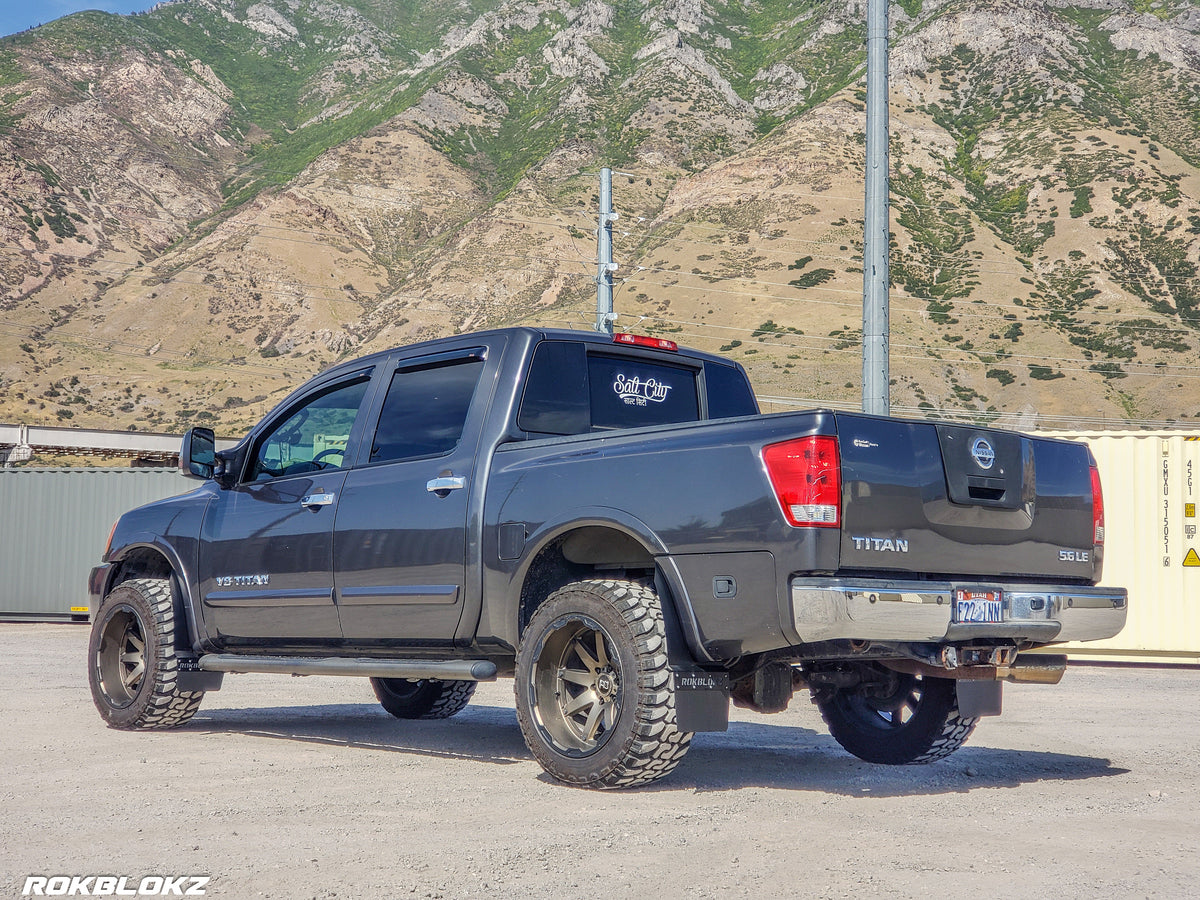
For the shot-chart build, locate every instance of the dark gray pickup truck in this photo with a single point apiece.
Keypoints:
(612, 523)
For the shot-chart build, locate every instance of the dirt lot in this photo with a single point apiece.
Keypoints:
(304, 788)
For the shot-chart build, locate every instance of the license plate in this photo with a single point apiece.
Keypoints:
(978, 607)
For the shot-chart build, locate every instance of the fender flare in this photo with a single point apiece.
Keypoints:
(183, 575)
(676, 604)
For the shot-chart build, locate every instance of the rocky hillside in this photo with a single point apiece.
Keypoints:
(203, 204)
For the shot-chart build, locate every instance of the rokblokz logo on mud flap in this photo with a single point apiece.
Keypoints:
(115, 886)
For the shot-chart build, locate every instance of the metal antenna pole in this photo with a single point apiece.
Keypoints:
(605, 268)
(875, 392)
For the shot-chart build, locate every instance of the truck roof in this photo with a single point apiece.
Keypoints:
(534, 334)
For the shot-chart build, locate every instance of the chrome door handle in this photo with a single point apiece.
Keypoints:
(445, 483)
(317, 499)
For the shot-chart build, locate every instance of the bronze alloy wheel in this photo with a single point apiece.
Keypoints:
(594, 686)
(577, 686)
(120, 659)
(133, 669)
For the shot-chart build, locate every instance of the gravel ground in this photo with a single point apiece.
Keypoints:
(305, 788)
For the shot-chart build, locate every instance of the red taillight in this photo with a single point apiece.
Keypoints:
(1097, 509)
(641, 340)
(807, 478)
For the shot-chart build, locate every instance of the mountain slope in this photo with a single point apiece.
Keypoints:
(205, 203)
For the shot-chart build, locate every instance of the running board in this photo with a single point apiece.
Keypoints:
(433, 669)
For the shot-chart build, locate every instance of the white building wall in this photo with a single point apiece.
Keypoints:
(1151, 484)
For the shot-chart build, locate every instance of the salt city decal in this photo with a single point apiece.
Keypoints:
(880, 545)
(983, 453)
(636, 392)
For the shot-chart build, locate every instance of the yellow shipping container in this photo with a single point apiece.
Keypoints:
(1151, 483)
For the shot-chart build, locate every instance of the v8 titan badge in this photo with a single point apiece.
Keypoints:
(978, 607)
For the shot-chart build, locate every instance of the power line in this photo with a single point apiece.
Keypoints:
(288, 288)
(289, 292)
(916, 311)
(1024, 421)
(964, 259)
(124, 348)
(785, 341)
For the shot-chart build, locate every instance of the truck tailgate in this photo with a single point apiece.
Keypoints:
(957, 500)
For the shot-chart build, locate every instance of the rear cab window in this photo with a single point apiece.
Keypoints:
(633, 393)
(578, 388)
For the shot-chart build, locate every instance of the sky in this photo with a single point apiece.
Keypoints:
(17, 15)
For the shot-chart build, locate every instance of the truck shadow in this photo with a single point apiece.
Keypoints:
(797, 758)
(479, 733)
(785, 757)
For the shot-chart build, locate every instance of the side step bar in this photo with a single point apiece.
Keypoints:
(435, 669)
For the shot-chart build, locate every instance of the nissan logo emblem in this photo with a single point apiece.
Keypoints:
(983, 453)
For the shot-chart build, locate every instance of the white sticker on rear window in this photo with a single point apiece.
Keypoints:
(635, 392)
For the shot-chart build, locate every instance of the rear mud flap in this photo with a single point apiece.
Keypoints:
(979, 698)
(701, 700)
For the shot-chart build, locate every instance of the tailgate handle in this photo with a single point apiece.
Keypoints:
(985, 488)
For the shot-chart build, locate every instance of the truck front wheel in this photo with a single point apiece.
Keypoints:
(901, 720)
(594, 688)
(132, 668)
(408, 698)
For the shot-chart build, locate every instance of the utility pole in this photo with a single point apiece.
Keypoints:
(875, 388)
(605, 267)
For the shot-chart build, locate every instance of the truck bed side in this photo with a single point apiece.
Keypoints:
(697, 500)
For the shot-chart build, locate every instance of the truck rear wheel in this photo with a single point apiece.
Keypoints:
(594, 688)
(908, 719)
(411, 698)
(132, 668)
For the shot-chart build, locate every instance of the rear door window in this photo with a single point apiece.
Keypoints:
(556, 397)
(425, 410)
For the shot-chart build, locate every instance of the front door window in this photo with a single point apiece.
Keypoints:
(311, 439)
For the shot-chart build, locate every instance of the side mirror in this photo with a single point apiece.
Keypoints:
(198, 455)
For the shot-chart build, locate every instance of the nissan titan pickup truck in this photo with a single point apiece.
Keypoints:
(610, 522)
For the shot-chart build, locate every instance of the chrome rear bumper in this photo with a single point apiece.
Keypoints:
(863, 609)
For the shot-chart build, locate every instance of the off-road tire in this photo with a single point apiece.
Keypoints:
(132, 668)
(410, 698)
(922, 726)
(594, 688)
